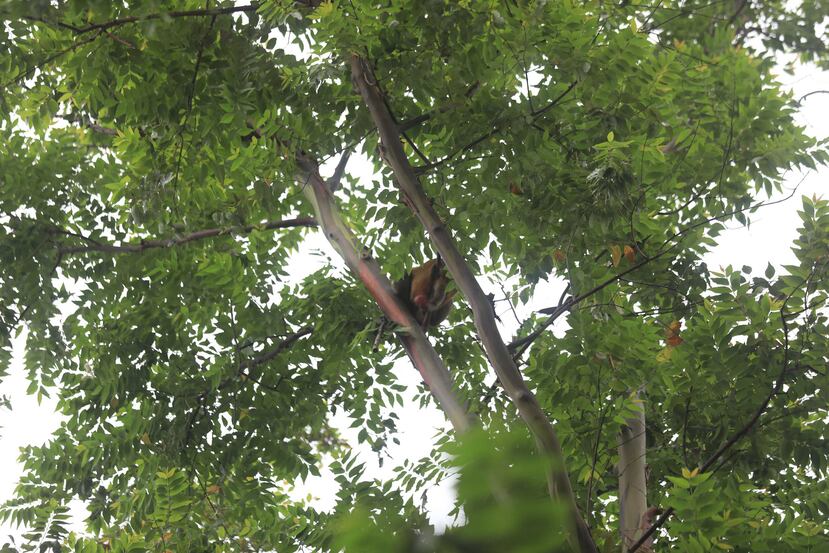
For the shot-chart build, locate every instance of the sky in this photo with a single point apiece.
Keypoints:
(768, 238)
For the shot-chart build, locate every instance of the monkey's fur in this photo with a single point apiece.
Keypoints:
(424, 292)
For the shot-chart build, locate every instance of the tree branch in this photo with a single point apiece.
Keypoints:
(286, 342)
(179, 240)
(736, 14)
(556, 312)
(147, 17)
(359, 260)
(812, 93)
(422, 118)
(497, 127)
(497, 352)
(746, 428)
(25, 74)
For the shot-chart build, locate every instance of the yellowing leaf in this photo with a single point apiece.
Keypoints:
(615, 254)
(672, 334)
(630, 254)
(324, 10)
(145, 438)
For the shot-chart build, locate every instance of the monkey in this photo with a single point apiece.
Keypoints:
(424, 292)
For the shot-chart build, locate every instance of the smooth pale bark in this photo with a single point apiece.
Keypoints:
(359, 260)
(558, 481)
(633, 485)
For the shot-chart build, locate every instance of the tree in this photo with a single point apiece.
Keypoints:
(161, 170)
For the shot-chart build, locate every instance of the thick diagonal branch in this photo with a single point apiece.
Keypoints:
(423, 355)
(497, 352)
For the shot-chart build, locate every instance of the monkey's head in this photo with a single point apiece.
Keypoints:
(429, 282)
(424, 291)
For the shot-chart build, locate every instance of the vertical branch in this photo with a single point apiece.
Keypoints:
(776, 389)
(499, 356)
(633, 501)
(359, 260)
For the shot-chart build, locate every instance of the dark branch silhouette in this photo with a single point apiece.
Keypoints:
(94, 246)
(557, 311)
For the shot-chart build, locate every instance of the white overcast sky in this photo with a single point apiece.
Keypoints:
(769, 238)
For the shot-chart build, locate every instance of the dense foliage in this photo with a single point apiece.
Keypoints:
(151, 219)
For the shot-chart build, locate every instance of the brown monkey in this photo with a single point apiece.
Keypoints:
(423, 290)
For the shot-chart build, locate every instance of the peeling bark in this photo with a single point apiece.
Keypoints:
(359, 260)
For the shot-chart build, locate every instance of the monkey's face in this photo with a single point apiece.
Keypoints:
(429, 286)
(425, 291)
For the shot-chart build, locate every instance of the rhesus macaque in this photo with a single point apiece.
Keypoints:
(423, 290)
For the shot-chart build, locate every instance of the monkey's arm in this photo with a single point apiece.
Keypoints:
(403, 289)
(434, 318)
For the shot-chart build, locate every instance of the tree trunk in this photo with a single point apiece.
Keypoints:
(633, 486)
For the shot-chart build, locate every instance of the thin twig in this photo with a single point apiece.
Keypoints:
(811, 94)
(557, 311)
(286, 342)
(28, 72)
(151, 16)
(605, 409)
(685, 425)
(179, 240)
(190, 96)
